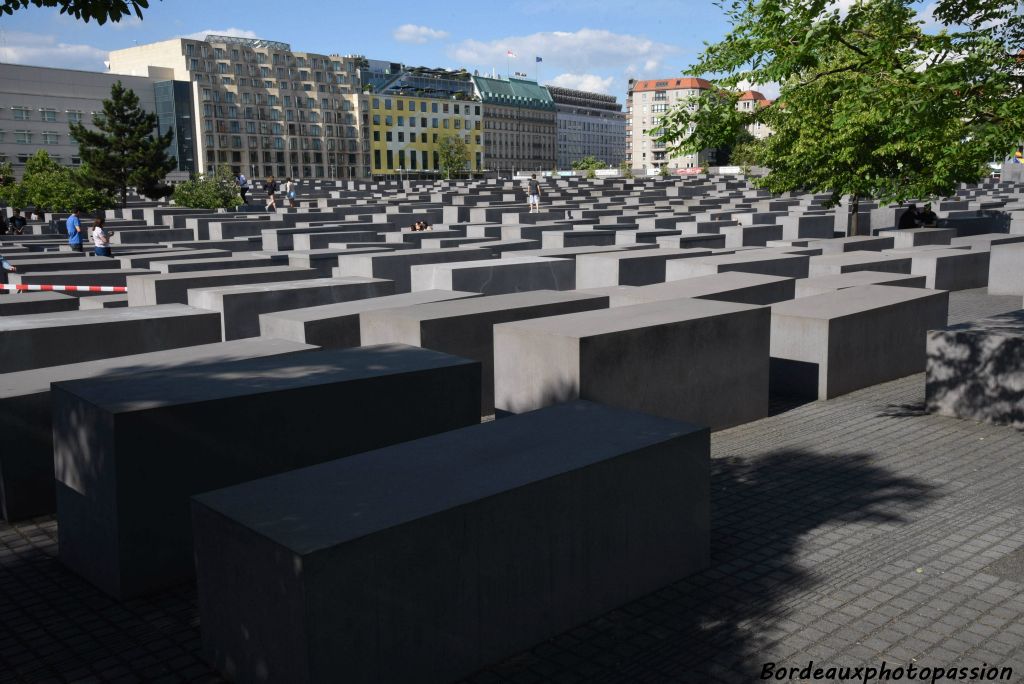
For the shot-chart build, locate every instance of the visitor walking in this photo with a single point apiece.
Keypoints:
(271, 187)
(533, 190)
(289, 191)
(243, 187)
(74, 227)
(101, 238)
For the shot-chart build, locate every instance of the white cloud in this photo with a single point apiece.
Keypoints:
(41, 49)
(577, 52)
(236, 32)
(411, 33)
(589, 82)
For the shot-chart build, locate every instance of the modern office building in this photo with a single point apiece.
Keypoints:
(410, 112)
(588, 124)
(39, 103)
(646, 102)
(261, 107)
(518, 125)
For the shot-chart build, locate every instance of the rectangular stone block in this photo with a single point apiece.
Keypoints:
(168, 288)
(750, 236)
(821, 226)
(1006, 269)
(862, 243)
(397, 266)
(26, 460)
(219, 263)
(668, 358)
(240, 306)
(975, 370)
(26, 303)
(952, 269)
(753, 261)
(831, 344)
(130, 450)
(708, 240)
(808, 287)
(577, 238)
(53, 339)
(497, 276)
(916, 237)
(732, 286)
(463, 327)
(429, 560)
(848, 262)
(642, 267)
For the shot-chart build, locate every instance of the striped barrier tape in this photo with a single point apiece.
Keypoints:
(63, 288)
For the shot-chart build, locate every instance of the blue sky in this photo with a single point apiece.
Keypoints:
(590, 44)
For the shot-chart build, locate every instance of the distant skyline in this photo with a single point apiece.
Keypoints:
(588, 44)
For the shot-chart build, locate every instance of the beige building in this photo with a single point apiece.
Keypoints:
(518, 125)
(646, 103)
(260, 107)
(749, 101)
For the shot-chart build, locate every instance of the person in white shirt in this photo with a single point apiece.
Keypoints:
(289, 191)
(101, 238)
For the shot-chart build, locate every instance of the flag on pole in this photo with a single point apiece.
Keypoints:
(510, 54)
(539, 59)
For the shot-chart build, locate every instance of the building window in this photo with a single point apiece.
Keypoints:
(76, 161)
(49, 115)
(23, 159)
(20, 113)
(74, 116)
(50, 138)
(23, 137)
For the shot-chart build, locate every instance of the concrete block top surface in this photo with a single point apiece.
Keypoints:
(39, 379)
(606, 321)
(96, 316)
(492, 263)
(707, 284)
(226, 272)
(312, 283)
(482, 305)
(255, 376)
(1003, 325)
(314, 313)
(836, 281)
(850, 301)
(853, 257)
(385, 488)
(748, 256)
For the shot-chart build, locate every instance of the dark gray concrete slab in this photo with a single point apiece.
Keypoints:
(167, 288)
(497, 276)
(23, 303)
(130, 450)
(427, 560)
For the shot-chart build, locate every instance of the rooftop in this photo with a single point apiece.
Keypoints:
(687, 83)
(514, 92)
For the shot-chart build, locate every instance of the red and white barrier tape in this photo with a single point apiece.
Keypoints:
(63, 288)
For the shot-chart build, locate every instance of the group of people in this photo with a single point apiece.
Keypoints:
(14, 225)
(272, 187)
(420, 226)
(99, 234)
(915, 217)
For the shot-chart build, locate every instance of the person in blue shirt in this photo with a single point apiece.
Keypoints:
(75, 231)
(5, 266)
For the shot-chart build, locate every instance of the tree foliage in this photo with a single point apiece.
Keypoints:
(875, 102)
(124, 152)
(219, 191)
(84, 10)
(453, 154)
(48, 186)
(626, 169)
(588, 163)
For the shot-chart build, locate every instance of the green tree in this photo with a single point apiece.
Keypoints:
(219, 191)
(48, 186)
(874, 102)
(83, 10)
(663, 171)
(452, 154)
(626, 169)
(124, 152)
(6, 174)
(588, 163)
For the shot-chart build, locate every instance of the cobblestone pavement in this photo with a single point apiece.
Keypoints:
(847, 532)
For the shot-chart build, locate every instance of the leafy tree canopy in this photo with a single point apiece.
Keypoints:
(125, 150)
(49, 186)
(453, 154)
(84, 10)
(219, 191)
(588, 163)
(874, 101)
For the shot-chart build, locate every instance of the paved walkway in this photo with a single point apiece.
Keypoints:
(847, 532)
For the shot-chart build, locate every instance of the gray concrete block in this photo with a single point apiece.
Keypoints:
(668, 358)
(916, 237)
(831, 344)
(856, 243)
(795, 227)
(732, 286)
(396, 266)
(240, 306)
(808, 287)
(750, 236)
(168, 288)
(640, 267)
(1006, 269)
(463, 327)
(975, 370)
(753, 261)
(25, 303)
(848, 262)
(497, 276)
(52, 339)
(952, 269)
(431, 559)
(110, 301)
(219, 263)
(26, 459)
(130, 450)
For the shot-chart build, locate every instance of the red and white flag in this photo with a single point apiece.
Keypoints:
(510, 54)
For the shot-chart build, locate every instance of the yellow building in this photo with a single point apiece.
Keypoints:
(406, 132)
